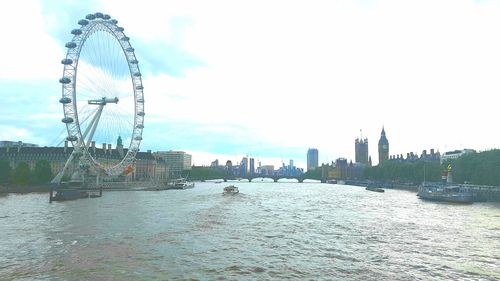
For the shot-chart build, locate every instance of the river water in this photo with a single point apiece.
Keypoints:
(270, 231)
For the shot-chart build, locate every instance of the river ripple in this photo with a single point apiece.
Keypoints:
(270, 231)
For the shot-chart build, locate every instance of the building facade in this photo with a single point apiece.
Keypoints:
(252, 166)
(146, 167)
(433, 156)
(177, 161)
(383, 148)
(449, 155)
(16, 143)
(361, 150)
(312, 159)
(243, 169)
(266, 170)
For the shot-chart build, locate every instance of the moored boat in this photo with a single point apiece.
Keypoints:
(69, 194)
(453, 193)
(376, 189)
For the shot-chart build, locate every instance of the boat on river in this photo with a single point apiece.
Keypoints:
(230, 190)
(376, 189)
(69, 194)
(445, 193)
(180, 183)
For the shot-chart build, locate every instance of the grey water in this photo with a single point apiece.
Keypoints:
(270, 231)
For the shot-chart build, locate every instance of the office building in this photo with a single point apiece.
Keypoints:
(312, 159)
(177, 161)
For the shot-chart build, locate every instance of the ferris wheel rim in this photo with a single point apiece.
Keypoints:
(91, 24)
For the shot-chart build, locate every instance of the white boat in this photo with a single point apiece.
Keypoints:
(230, 190)
(180, 184)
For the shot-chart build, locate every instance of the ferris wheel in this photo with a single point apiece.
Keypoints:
(102, 96)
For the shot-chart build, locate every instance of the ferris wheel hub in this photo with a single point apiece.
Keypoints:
(104, 101)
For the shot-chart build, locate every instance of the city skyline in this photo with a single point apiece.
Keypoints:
(270, 80)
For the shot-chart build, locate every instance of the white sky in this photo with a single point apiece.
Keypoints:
(278, 77)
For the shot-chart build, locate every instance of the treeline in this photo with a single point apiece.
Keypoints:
(204, 173)
(316, 174)
(405, 172)
(476, 168)
(23, 175)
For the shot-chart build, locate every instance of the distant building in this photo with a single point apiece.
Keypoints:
(188, 160)
(243, 167)
(290, 170)
(383, 147)
(413, 157)
(229, 167)
(176, 160)
(146, 167)
(252, 167)
(266, 170)
(312, 159)
(361, 150)
(341, 167)
(16, 144)
(449, 155)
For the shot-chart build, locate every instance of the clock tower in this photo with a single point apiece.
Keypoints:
(383, 148)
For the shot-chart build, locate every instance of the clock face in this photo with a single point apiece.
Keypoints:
(384, 146)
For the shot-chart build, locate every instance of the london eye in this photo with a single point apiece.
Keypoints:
(102, 96)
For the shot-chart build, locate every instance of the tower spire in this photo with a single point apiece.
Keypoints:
(383, 147)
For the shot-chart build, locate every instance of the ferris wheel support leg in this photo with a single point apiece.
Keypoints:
(99, 185)
(57, 179)
(94, 123)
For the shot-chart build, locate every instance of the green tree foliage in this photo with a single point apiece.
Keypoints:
(5, 170)
(204, 173)
(22, 174)
(405, 172)
(313, 174)
(477, 168)
(42, 173)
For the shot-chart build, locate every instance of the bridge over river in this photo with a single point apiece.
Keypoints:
(275, 178)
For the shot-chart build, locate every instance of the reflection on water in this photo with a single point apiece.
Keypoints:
(270, 231)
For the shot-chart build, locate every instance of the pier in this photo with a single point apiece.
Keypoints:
(483, 193)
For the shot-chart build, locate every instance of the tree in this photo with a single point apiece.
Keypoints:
(42, 173)
(401, 171)
(22, 174)
(314, 174)
(204, 173)
(477, 168)
(5, 170)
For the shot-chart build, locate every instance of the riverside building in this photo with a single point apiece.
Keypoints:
(177, 161)
(361, 150)
(146, 166)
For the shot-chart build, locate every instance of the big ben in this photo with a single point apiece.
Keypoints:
(383, 147)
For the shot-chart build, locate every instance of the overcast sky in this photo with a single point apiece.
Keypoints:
(270, 79)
